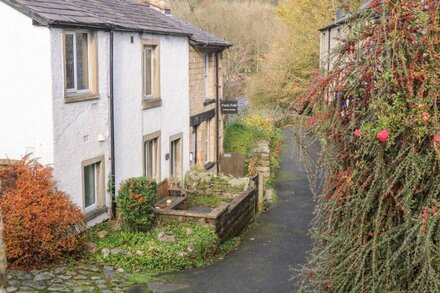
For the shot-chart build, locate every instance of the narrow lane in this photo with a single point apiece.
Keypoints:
(277, 242)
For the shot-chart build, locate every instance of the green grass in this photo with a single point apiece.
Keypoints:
(150, 255)
(209, 201)
(229, 246)
(139, 278)
(241, 138)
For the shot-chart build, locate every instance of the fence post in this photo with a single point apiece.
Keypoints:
(3, 260)
(260, 204)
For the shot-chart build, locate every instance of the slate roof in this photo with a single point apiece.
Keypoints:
(120, 15)
(198, 36)
(347, 17)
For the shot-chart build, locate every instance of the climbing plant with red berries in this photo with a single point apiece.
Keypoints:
(377, 226)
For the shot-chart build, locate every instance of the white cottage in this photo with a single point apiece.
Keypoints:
(94, 88)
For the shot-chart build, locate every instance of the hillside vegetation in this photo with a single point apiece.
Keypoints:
(295, 52)
(249, 25)
(276, 43)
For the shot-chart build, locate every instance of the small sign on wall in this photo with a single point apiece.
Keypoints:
(229, 107)
(167, 157)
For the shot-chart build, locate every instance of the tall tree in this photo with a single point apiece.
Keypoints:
(249, 25)
(295, 52)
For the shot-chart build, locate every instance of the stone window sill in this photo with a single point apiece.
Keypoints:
(81, 98)
(152, 103)
(95, 213)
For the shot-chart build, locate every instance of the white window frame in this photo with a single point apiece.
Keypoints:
(194, 138)
(75, 72)
(155, 158)
(152, 69)
(208, 141)
(96, 175)
(176, 166)
(173, 155)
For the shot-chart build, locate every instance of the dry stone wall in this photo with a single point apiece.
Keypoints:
(263, 158)
(203, 183)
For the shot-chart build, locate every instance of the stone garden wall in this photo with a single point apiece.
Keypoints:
(240, 213)
(262, 154)
(204, 183)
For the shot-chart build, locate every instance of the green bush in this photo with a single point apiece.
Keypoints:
(275, 149)
(241, 138)
(277, 138)
(136, 199)
(194, 246)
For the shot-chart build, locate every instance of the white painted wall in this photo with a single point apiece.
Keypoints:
(77, 126)
(25, 88)
(131, 121)
(34, 116)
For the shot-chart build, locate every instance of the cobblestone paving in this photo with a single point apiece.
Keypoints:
(103, 279)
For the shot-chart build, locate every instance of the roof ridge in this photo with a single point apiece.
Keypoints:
(105, 14)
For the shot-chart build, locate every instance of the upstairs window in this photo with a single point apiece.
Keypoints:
(148, 56)
(79, 64)
(151, 74)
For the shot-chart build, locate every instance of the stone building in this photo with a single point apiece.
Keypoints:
(332, 34)
(206, 92)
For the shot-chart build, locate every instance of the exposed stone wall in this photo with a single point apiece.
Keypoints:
(240, 213)
(197, 81)
(261, 160)
(203, 183)
(262, 153)
(197, 99)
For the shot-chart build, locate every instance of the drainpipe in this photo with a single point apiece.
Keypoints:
(112, 126)
(217, 112)
(328, 59)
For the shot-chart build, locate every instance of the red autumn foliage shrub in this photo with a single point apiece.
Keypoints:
(41, 223)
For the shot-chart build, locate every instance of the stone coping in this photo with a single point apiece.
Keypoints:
(175, 201)
(214, 214)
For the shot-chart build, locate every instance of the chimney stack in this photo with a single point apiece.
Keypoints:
(340, 13)
(161, 5)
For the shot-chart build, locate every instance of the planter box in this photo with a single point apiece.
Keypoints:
(228, 220)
